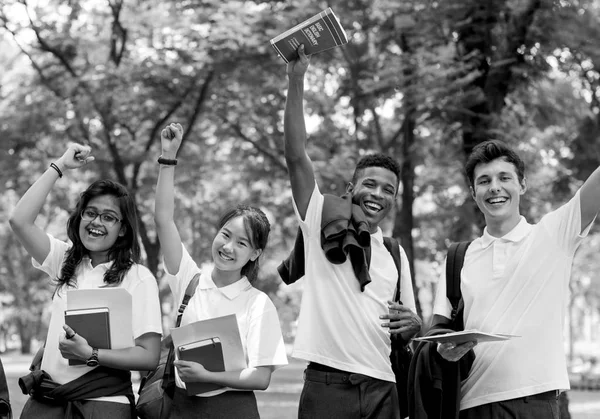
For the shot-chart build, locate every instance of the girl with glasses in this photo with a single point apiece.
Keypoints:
(103, 252)
(224, 289)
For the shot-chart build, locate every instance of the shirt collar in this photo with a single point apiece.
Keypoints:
(106, 265)
(518, 233)
(378, 235)
(231, 291)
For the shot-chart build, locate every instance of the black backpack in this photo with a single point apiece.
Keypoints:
(5, 410)
(454, 263)
(401, 353)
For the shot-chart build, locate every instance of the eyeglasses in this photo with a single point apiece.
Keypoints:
(106, 218)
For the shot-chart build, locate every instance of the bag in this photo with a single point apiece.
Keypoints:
(454, 263)
(401, 354)
(158, 387)
(5, 409)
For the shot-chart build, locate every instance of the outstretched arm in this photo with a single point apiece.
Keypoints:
(299, 165)
(164, 200)
(22, 219)
(590, 199)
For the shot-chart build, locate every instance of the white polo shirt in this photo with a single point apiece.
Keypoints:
(518, 284)
(255, 313)
(339, 325)
(140, 283)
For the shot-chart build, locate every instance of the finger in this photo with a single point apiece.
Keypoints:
(69, 333)
(165, 134)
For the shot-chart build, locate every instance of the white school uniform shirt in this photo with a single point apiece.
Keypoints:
(138, 281)
(256, 315)
(518, 284)
(339, 325)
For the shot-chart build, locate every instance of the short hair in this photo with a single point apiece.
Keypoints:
(377, 160)
(257, 227)
(491, 150)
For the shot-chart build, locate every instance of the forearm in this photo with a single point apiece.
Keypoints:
(257, 378)
(136, 358)
(30, 205)
(294, 128)
(164, 202)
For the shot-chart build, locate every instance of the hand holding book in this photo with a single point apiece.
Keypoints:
(298, 66)
(74, 347)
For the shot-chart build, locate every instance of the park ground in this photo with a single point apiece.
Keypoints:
(280, 401)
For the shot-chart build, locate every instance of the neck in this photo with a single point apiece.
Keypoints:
(499, 228)
(224, 278)
(98, 258)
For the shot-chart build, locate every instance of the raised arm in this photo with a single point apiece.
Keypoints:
(22, 219)
(164, 199)
(300, 167)
(590, 199)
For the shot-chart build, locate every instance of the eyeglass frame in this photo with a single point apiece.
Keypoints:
(99, 214)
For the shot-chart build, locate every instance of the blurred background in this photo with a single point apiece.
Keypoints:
(424, 81)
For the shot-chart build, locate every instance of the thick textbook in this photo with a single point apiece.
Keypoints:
(466, 336)
(209, 353)
(118, 301)
(225, 328)
(91, 323)
(321, 32)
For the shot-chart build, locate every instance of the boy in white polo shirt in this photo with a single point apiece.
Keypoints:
(344, 329)
(515, 280)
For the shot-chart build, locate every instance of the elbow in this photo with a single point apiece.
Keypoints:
(15, 222)
(264, 380)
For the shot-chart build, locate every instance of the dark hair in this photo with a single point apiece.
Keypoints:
(376, 160)
(124, 252)
(491, 150)
(257, 227)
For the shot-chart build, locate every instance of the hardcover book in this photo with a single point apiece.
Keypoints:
(91, 323)
(321, 32)
(207, 352)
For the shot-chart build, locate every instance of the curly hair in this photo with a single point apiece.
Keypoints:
(376, 160)
(257, 227)
(124, 252)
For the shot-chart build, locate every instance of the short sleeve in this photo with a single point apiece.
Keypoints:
(265, 346)
(147, 316)
(565, 224)
(54, 261)
(311, 224)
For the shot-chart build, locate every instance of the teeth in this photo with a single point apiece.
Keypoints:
(224, 256)
(96, 232)
(496, 200)
(373, 206)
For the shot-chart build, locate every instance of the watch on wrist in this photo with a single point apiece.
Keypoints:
(93, 360)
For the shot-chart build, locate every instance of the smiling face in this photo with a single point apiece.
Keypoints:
(497, 191)
(375, 192)
(232, 248)
(96, 236)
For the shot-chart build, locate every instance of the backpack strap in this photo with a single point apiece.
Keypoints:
(189, 293)
(392, 245)
(454, 263)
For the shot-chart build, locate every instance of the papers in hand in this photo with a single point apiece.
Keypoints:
(466, 336)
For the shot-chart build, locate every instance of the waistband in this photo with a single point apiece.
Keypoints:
(547, 395)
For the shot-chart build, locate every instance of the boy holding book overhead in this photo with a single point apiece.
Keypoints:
(103, 253)
(224, 290)
(347, 318)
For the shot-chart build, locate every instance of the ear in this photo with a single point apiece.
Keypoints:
(122, 231)
(472, 192)
(349, 187)
(523, 186)
(255, 254)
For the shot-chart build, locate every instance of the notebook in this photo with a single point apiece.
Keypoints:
(207, 352)
(93, 324)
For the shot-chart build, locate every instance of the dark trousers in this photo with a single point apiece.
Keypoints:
(537, 406)
(333, 395)
(34, 409)
(228, 405)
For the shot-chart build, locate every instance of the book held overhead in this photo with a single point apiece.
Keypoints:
(321, 32)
